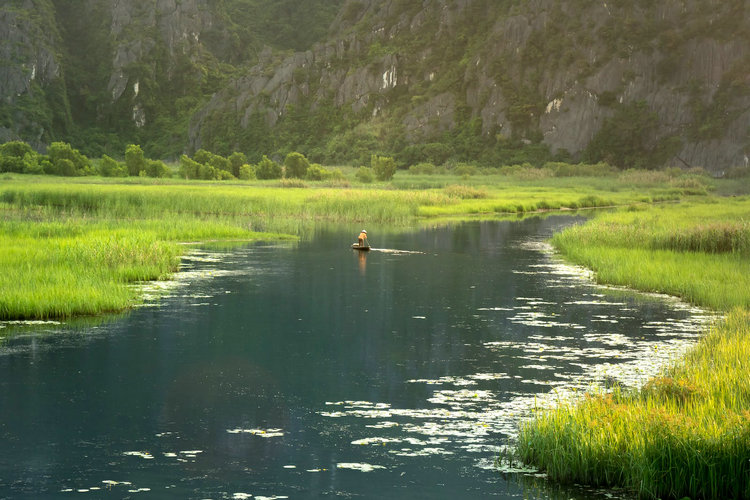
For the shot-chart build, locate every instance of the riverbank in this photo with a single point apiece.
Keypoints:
(687, 432)
(74, 245)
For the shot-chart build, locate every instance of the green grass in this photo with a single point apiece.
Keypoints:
(687, 432)
(74, 244)
(699, 251)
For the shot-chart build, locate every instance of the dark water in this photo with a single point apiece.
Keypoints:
(312, 371)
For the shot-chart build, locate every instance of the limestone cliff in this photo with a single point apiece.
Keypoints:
(32, 93)
(494, 81)
(542, 70)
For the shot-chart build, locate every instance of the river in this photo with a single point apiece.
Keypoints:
(311, 370)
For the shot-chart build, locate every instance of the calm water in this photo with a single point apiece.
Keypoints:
(310, 371)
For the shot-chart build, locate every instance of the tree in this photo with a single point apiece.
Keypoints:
(189, 168)
(247, 173)
(364, 175)
(110, 167)
(237, 160)
(296, 165)
(134, 159)
(268, 169)
(15, 148)
(383, 166)
(68, 161)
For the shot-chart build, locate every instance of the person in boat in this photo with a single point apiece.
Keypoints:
(362, 238)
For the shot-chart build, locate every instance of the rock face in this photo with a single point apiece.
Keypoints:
(480, 77)
(29, 69)
(542, 69)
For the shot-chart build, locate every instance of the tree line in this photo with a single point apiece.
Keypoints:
(64, 160)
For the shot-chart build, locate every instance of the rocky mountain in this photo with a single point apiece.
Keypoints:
(630, 82)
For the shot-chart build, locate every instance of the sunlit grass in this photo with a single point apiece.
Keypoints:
(51, 215)
(699, 251)
(686, 433)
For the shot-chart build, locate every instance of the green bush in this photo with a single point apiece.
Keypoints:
(237, 160)
(464, 169)
(32, 164)
(189, 168)
(296, 165)
(268, 169)
(247, 172)
(157, 168)
(365, 175)
(68, 161)
(17, 149)
(422, 169)
(11, 164)
(384, 167)
(109, 167)
(134, 159)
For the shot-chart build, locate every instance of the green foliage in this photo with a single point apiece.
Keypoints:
(16, 149)
(135, 160)
(365, 175)
(422, 169)
(67, 161)
(18, 157)
(384, 167)
(237, 160)
(157, 168)
(296, 165)
(247, 173)
(109, 167)
(189, 168)
(268, 169)
(629, 139)
(563, 169)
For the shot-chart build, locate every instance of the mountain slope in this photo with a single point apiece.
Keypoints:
(630, 82)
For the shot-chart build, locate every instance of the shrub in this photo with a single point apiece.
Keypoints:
(31, 164)
(11, 164)
(464, 169)
(422, 169)
(157, 168)
(59, 151)
(365, 175)
(17, 149)
(134, 159)
(220, 163)
(296, 165)
(384, 167)
(292, 183)
(189, 168)
(109, 167)
(268, 169)
(237, 160)
(247, 172)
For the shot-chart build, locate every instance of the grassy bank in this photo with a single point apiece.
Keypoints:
(74, 244)
(686, 433)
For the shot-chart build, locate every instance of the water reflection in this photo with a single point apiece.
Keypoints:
(293, 371)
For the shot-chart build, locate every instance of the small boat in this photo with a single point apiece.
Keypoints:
(357, 246)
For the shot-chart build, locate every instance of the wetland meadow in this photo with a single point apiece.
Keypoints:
(512, 335)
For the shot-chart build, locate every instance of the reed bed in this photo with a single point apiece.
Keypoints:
(687, 432)
(45, 212)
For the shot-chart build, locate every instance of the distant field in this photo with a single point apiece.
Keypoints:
(74, 244)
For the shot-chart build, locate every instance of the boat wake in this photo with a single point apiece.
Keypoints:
(398, 252)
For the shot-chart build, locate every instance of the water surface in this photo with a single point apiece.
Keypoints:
(311, 370)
